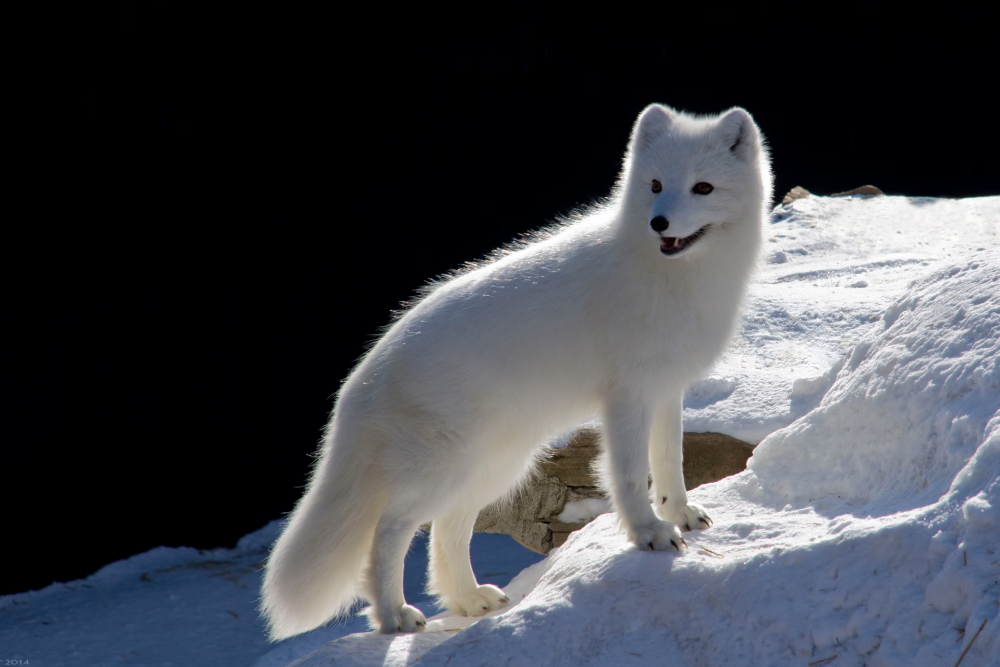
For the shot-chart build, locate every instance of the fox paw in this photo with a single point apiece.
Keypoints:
(404, 619)
(482, 600)
(658, 536)
(687, 517)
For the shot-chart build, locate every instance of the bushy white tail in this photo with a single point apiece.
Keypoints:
(314, 572)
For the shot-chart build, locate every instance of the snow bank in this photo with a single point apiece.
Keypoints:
(831, 268)
(867, 532)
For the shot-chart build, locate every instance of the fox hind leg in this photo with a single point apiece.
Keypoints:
(384, 577)
(450, 574)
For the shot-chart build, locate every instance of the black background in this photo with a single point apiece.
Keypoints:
(212, 214)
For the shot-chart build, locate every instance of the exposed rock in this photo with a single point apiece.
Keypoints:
(801, 193)
(796, 193)
(862, 190)
(564, 476)
(532, 516)
(709, 457)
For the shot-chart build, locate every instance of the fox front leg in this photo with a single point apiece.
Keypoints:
(626, 430)
(666, 460)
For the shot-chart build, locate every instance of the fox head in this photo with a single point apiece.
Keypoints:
(689, 181)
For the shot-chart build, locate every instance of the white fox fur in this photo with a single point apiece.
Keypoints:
(449, 410)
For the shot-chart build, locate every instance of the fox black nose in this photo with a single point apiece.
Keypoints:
(659, 223)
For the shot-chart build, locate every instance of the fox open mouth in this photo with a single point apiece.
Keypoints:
(671, 245)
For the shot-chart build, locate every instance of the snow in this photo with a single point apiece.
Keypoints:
(866, 528)
(581, 511)
(831, 268)
(149, 609)
(181, 606)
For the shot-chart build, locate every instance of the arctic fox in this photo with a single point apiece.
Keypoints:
(611, 314)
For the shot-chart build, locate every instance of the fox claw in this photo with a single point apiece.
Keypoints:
(688, 517)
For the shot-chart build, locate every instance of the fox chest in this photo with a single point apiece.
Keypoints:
(679, 337)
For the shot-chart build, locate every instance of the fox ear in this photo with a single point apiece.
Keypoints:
(740, 134)
(654, 121)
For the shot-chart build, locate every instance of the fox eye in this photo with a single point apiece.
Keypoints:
(702, 188)
(657, 187)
